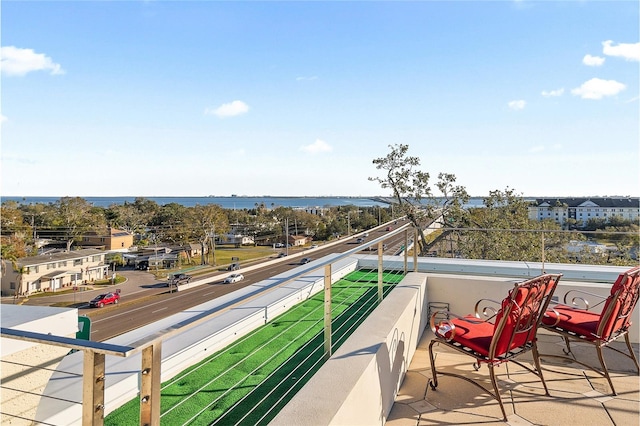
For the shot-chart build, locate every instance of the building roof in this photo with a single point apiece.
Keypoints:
(57, 257)
(616, 202)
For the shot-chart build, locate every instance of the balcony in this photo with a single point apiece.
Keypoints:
(578, 397)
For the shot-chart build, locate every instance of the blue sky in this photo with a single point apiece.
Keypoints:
(194, 98)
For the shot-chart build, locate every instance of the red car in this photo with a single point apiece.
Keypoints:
(105, 299)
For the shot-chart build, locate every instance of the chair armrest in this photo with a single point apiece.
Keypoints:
(584, 301)
(487, 311)
(446, 329)
(556, 314)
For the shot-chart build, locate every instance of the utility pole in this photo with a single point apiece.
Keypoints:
(213, 243)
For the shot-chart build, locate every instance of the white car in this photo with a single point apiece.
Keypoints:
(233, 278)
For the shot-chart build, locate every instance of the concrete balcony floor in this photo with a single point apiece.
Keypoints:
(579, 396)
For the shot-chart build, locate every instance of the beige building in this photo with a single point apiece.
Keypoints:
(298, 240)
(51, 272)
(112, 239)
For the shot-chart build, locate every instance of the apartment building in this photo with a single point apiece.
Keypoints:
(583, 209)
(51, 272)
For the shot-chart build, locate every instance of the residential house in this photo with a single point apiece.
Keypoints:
(237, 236)
(51, 272)
(298, 240)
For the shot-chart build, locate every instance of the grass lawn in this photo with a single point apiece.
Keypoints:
(250, 380)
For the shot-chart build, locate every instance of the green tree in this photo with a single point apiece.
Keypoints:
(203, 221)
(170, 224)
(132, 217)
(413, 195)
(502, 230)
(75, 217)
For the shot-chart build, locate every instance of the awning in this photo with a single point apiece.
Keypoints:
(55, 274)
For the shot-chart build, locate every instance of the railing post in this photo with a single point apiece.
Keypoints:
(327, 311)
(415, 249)
(380, 269)
(150, 385)
(406, 250)
(93, 389)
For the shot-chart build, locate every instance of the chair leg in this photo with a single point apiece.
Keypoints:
(631, 353)
(605, 370)
(566, 342)
(496, 391)
(536, 361)
(434, 382)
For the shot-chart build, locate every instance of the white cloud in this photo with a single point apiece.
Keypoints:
(3, 118)
(552, 93)
(228, 110)
(517, 105)
(317, 147)
(593, 61)
(597, 88)
(538, 148)
(628, 51)
(17, 62)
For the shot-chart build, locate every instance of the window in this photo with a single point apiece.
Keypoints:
(95, 258)
(77, 262)
(51, 266)
(12, 285)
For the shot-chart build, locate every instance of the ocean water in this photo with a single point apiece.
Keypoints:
(224, 202)
(239, 202)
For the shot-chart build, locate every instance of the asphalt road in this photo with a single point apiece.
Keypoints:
(145, 300)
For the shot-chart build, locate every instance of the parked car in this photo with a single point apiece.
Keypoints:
(177, 279)
(305, 260)
(360, 240)
(279, 245)
(314, 246)
(366, 234)
(233, 267)
(282, 254)
(105, 299)
(233, 278)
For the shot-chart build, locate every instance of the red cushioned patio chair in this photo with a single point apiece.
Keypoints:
(506, 333)
(597, 328)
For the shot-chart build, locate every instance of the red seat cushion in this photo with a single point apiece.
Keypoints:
(475, 335)
(521, 308)
(618, 306)
(579, 321)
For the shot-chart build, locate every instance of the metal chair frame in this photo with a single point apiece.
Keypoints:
(514, 323)
(613, 322)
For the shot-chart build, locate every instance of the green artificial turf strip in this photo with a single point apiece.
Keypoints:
(250, 380)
